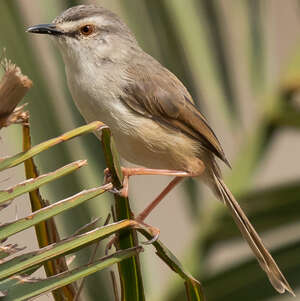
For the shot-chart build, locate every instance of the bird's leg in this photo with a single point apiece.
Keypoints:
(149, 171)
(128, 172)
(179, 175)
(142, 216)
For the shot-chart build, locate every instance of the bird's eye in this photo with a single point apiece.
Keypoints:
(87, 30)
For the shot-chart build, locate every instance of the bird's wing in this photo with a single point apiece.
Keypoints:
(163, 98)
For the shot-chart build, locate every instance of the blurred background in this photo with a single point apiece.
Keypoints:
(240, 60)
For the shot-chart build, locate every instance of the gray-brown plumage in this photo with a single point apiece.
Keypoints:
(171, 105)
(159, 95)
(151, 114)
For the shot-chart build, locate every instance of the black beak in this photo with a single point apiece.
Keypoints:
(45, 29)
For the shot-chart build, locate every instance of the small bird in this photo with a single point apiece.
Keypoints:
(152, 116)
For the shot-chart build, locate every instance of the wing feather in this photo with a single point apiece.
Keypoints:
(161, 96)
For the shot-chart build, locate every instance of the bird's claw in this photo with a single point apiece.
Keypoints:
(151, 241)
(107, 176)
(115, 191)
(123, 192)
(153, 231)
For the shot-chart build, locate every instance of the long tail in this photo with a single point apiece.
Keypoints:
(263, 256)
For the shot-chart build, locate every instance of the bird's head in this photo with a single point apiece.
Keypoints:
(89, 32)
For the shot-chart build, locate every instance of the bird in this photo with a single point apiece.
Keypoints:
(152, 116)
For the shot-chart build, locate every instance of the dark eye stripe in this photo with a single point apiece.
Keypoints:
(71, 34)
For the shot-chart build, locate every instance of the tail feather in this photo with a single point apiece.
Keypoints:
(263, 256)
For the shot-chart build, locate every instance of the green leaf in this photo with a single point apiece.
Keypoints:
(129, 270)
(8, 250)
(193, 287)
(193, 291)
(50, 211)
(9, 283)
(46, 231)
(34, 183)
(21, 157)
(72, 244)
(25, 290)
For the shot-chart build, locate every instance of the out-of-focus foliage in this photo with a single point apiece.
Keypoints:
(240, 61)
